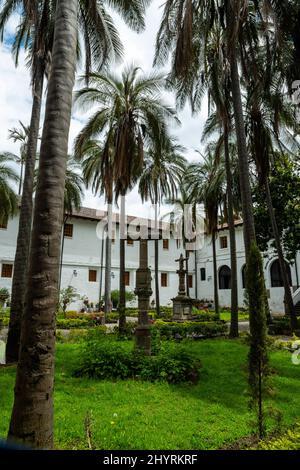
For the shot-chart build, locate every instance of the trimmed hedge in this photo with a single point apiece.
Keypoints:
(190, 329)
(68, 323)
(281, 326)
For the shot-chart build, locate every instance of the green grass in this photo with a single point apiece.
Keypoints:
(141, 415)
(225, 315)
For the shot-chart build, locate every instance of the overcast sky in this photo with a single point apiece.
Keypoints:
(16, 100)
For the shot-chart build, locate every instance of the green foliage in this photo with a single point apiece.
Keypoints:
(73, 336)
(4, 296)
(189, 329)
(135, 414)
(127, 331)
(115, 296)
(281, 326)
(258, 354)
(290, 440)
(285, 193)
(104, 358)
(67, 296)
(66, 323)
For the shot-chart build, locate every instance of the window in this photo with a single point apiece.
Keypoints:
(203, 274)
(166, 244)
(127, 278)
(129, 241)
(190, 281)
(92, 275)
(7, 270)
(225, 278)
(68, 230)
(223, 243)
(164, 279)
(276, 278)
(3, 225)
(244, 276)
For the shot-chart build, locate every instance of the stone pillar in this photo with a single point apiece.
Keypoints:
(143, 291)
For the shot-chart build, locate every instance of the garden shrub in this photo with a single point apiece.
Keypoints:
(281, 326)
(73, 336)
(190, 329)
(289, 441)
(128, 330)
(110, 359)
(68, 323)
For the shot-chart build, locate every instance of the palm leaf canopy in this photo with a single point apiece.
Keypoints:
(129, 113)
(8, 178)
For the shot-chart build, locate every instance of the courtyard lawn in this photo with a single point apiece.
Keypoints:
(226, 316)
(140, 415)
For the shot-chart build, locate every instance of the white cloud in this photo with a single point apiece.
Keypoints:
(15, 97)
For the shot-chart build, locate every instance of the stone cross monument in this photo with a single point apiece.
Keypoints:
(181, 273)
(182, 304)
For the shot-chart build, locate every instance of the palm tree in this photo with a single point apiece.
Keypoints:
(8, 178)
(129, 110)
(98, 172)
(162, 172)
(185, 33)
(35, 33)
(72, 200)
(206, 184)
(180, 217)
(270, 122)
(20, 135)
(32, 414)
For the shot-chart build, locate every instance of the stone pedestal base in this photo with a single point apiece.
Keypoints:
(143, 339)
(182, 308)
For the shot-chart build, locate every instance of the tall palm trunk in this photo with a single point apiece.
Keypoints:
(215, 269)
(107, 295)
(282, 263)
(247, 209)
(62, 251)
(25, 222)
(21, 174)
(122, 293)
(234, 321)
(156, 262)
(32, 414)
(187, 255)
(243, 160)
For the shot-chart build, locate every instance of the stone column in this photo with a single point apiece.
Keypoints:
(143, 291)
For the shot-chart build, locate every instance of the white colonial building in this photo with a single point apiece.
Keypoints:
(83, 263)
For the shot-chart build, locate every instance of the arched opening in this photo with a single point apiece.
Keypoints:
(276, 278)
(244, 276)
(225, 277)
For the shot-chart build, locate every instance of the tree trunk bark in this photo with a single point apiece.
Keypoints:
(107, 304)
(296, 271)
(243, 160)
(122, 293)
(215, 269)
(25, 223)
(156, 262)
(21, 175)
(234, 323)
(62, 252)
(282, 264)
(187, 255)
(32, 415)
